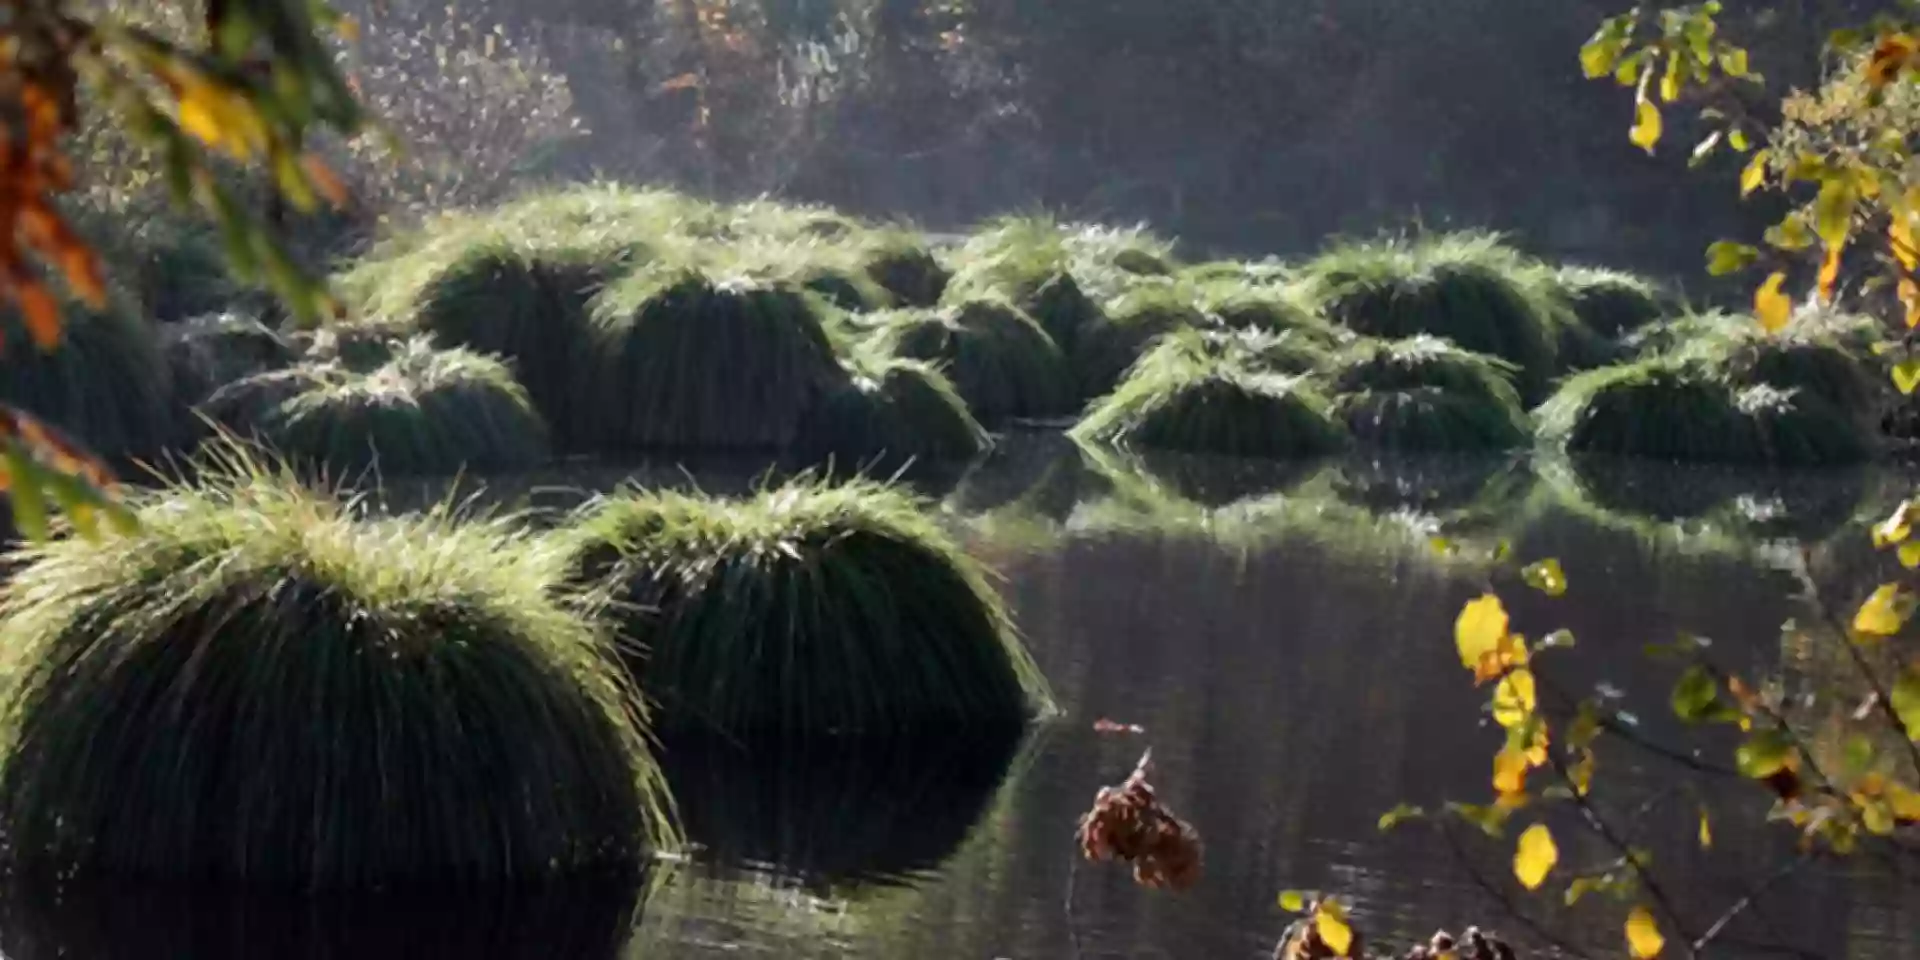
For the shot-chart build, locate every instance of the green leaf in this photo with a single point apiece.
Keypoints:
(1492, 821)
(26, 485)
(1695, 694)
(1905, 701)
(1561, 638)
(1859, 753)
(1764, 754)
(1725, 257)
(1790, 234)
(1600, 55)
(1545, 576)
(1398, 815)
(1734, 61)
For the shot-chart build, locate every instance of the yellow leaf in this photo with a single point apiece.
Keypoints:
(1904, 803)
(1896, 527)
(1755, 175)
(1706, 830)
(1833, 210)
(1646, 125)
(1892, 54)
(1772, 307)
(1909, 294)
(1882, 614)
(1910, 555)
(1293, 901)
(1906, 375)
(1643, 935)
(1580, 773)
(1514, 699)
(1546, 577)
(1734, 62)
(1738, 138)
(1510, 770)
(1330, 921)
(1535, 856)
(1670, 82)
(1478, 630)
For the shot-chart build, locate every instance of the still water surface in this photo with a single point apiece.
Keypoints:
(1284, 637)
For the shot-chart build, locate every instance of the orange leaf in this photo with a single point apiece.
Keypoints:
(1893, 54)
(40, 311)
(1830, 271)
(325, 180)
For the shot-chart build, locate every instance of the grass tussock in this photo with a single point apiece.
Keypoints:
(423, 412)
(1610, 303)
(1466, 287)
(805, 609)
(1104, 351)
(890, 415)
(1002, 363)
(687, 360)
(1424, 393)
(1059, 273)
(261, 687)
(1264, 307)
(108, 383)
(905, 268)
(1687, 408)
(208, 352)
(1199, 404)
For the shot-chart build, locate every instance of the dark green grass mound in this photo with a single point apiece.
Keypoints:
(1424, 393)
(906, 269)
(1002, 363)
(258, 687)
(1465, 287)
(891, 414)
(208, 352)
(1218, 406)
(686, 360)
(360, 347)
(1106, 348)
(1609, 302)
(516, 284)
(424, 412)
(1059, 274)
(1807, 359)
(1290, 351)
(807, 609)
(108, 382)
(1678, 408)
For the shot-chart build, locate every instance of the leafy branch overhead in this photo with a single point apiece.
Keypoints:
(250, 93)
(1841, 155)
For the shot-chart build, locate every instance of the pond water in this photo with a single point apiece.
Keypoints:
(1283, 636)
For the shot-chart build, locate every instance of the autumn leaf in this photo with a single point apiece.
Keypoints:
(1293, 901)
(1906, 375)
(1330, 921)
(1833, 210)
(1535, 856)
(1883, 613)
(1479, 628)
(1772, 307)
(1764, 755)
(1755, 173)
(1830, 272)
(1706, 830)
(1510, 770)
(1646, 125)
(1644, 940)
(1891, 55)
(1670, 81)
(1896, 527)
(1725, 257)
(1900, 240)
(1514, 699)
(39, 311)
(1905, 701)
(1909, 293)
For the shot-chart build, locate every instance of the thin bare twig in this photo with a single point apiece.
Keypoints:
(1498, 896)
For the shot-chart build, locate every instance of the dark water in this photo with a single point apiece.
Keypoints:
(1283, 634)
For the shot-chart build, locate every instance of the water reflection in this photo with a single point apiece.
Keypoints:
(589, 921)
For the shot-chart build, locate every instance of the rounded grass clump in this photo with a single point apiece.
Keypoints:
(107, 383)
(208, 352)
(1269, 308)
(1198, 404)
(1681, 408)
(1424, 393)
(516, 283)
(1610, 303)
(259, 687)
(1034, 262)
(903, 266)
(1466, 287)
(1106, 348)
(890, 414)
(1002, 363)
(424, 412)
(806, 609)
(1807, 359)
(684, 359)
